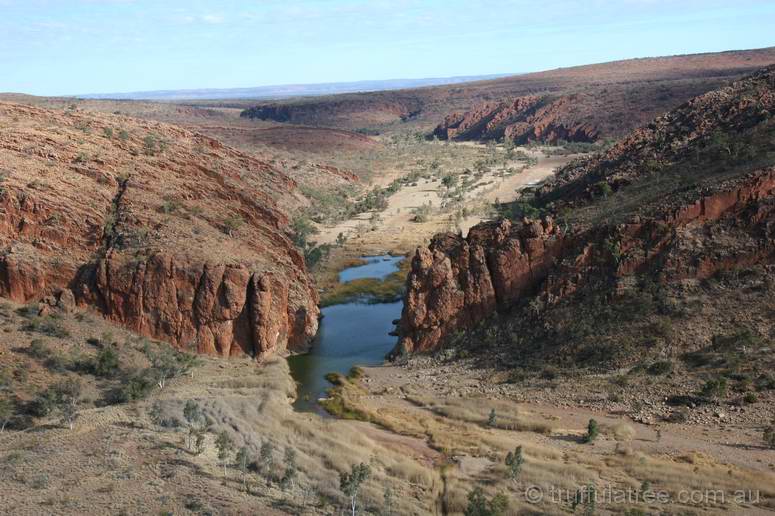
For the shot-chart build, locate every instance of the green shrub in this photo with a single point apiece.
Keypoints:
(106, 362)
(135, 387)
(769, 435)
(492, 419)
(603, 189)
(28, 311)
(56, 362)
(660, 368)
(153, 144)
(715, 388)
(170, 205)
(232, 223)
(479, 505)
(46, 326)
(764, 382)
(38, 349)
(593, 431)
(44, 404)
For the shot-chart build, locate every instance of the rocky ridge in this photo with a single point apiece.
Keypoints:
(165, 231)
(522, 120)
(709, 206)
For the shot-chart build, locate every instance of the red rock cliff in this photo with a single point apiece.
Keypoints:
(457, 282)
(688, 195)
(164, 231)
(522, 120)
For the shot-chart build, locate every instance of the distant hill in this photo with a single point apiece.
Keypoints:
(579, 103)
(290, 90)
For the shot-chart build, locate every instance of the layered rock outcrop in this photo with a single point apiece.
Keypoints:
(522, 120)
(687, 196)
(458, 282)
(164, 231)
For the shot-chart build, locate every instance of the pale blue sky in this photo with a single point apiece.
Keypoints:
(50, 47)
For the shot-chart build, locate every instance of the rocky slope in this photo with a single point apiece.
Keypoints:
(686, 197)
(523, 120)
(165, 231)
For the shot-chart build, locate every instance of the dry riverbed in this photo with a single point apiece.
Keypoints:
(398, 229)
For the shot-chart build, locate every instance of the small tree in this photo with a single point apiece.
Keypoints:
(449, 181)
(68, 394)
(224, 445)
(350, 483)
(586, 498)
(199, 442)
(242, 459)
(168, 363)
(769, 435)
(231, 224)
(593, 430)
(303, 228)
(514, 462)
(266, 457)
(193, 416)
(6, 412)
(388, 501)
(499, 504)
(715, 388)
(479, 505)
(291, 469)
(492, 420)
(154, 412)
(152, 144)
(106, 362)
(603, 189)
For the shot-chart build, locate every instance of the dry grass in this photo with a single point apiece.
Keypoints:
(421, 446)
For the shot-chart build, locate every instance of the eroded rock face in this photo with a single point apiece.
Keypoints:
(522, 120)
(457, 282)
(211, 308)
(185, 243)
(693, 194)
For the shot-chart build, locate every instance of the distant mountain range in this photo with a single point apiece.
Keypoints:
(289, 90)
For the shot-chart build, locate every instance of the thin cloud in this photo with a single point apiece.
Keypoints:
(212, 18)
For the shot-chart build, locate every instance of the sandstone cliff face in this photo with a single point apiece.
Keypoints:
(691, 194)
(457, 282)
(164, 231)
(523, 120)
